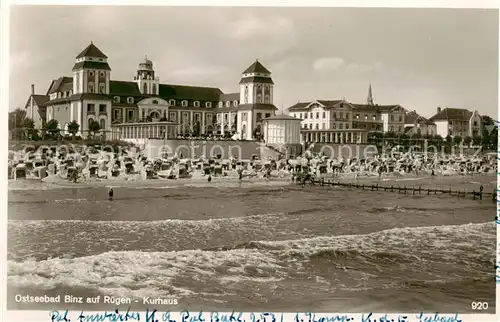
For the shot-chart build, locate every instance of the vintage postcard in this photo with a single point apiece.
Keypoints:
(280, 159)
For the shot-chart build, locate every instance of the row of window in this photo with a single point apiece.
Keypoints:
(62, 94)
(184, 103)
(91, 108)
(92, 73)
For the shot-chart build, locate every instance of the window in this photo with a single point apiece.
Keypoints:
(228, 104)
(130, 100)
(341, 115)
(475, 123)
(340, 126)
(91, 87)
(102, 124)
(196, 104)
(310, 115)
(226, 118)
(235, 103)
(144, 88)
(90, 121)
(116, 113)
(221, 104)
(317, 115)
(267, 99)
(317, 126)
(130, 115)
(155, 102)
(259, 116)
(91, 73)
(268, 115)
(102, 108)
(208, 104)
(244, 116)
(347, 126)
(102, 74)
(300, 116)
(324, 115)
(310, 126)
(305, 116)
(173, 116)
(400, 118)
(366, 117)
(116, 99)
(102, 88)
(171, 102)
(374, 117)
(184, 103)
(259, 98)
(357, 116)
(90, 108)
(392, 117)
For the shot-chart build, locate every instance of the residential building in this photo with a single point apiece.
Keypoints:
(417, 124)
(283, 131)
(122, 107)
(457, 122)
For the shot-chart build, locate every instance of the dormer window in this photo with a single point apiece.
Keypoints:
(171, 102)
(130, 100)
(208, 104)
(221, 104)
(184, 103)
(116, 99)
(196, 104)
(155, 102)
(228, 104)
(235, 103)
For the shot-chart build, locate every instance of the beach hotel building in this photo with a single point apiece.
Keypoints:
(457, 122)
(339, 121)
(144, 108)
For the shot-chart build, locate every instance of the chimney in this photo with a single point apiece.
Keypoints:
(32, 89)
(439, 109)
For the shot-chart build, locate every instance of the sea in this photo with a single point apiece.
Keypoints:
(253, 247)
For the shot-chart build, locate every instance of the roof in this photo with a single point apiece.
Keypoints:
(409, 129)
(282, 117)
(92, 64)
(190, 92)
(258, 106)
(256, 79)
(299, 106)
(40, 100)
(413, 118)
(57, 85)
(452, 114)
(326, 103)
(256, 67)
(329, 102)
(91, 51)
(124, 88)
(229, 97)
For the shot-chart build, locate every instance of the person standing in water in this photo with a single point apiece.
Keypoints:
(110, 193)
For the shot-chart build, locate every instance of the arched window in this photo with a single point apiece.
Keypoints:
(91, 73)
(184, 103)
(91, 87)
(155, 102)
(102, 88)
(145, 88)
(235, 103)
(117, 99)
(208, 104)
(196, 104)
(171, 102)
(154, 89)
(259, 97)
(89, 122)
(228, 104)
(102, 124)
(221, 104)
(266, 99)
(130, 100)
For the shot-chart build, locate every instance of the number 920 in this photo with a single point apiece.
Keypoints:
(479, 305)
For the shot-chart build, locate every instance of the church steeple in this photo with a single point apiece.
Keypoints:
(369, 99)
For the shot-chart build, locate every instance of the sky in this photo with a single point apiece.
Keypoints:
(418, 58)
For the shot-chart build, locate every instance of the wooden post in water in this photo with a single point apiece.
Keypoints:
(405, 189)
(377, 187)
(419, 190)
(392, 188)
(363, 186)
(481, 192)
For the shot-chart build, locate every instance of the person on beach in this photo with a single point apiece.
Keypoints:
(209, 177)
(110, 194)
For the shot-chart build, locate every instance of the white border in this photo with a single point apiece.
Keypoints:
(4, 103)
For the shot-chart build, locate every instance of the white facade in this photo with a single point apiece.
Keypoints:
(281, 130)
(442, 128)
(316, 118)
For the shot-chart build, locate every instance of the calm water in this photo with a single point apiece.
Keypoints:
(278, 248)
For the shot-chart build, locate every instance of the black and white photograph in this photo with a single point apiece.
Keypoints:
(276, 159)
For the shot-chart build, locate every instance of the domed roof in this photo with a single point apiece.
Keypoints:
(146, 63)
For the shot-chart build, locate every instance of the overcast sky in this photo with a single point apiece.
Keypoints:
(418, 58)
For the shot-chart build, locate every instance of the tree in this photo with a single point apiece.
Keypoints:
(73, 128)
(197, 129)
(457, 140)
(467, 140)
(29, 126)
(94, 127)
(476, 140)
(52, 127)
(449, 139)
(16, 119)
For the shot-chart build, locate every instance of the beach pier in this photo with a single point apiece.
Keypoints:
(476, 195)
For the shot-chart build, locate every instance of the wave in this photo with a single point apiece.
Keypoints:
(464, 250)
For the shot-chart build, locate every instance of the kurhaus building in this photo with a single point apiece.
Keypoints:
(145, 108)
(338, 121)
